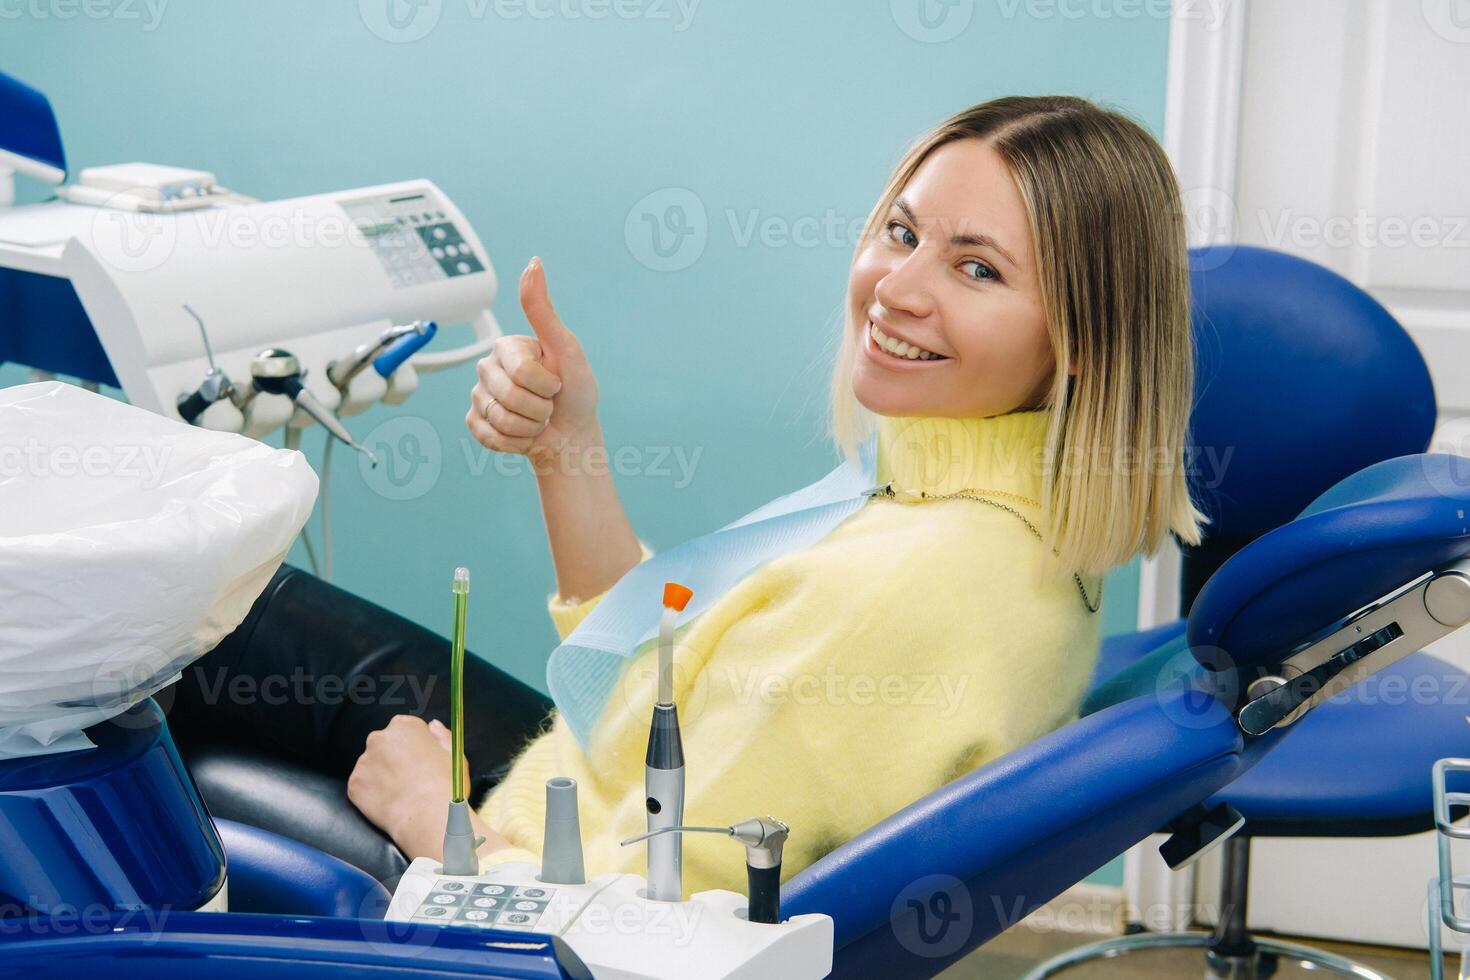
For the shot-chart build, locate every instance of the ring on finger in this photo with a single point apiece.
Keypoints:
(488, 405)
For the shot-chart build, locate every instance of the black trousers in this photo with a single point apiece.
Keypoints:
(273, 719)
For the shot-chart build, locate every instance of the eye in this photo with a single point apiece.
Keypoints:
(988, 274)
(904, 236)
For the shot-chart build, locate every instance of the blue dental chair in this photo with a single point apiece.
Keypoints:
(1273, 632)
(1356, 767)
(1278, 338)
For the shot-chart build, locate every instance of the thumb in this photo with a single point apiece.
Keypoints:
(440, 733)
(557, 342)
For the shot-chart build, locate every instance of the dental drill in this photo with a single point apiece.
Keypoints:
(663, 769)
(764, 838)
(341, 373)
(277, 372)
(460, 842)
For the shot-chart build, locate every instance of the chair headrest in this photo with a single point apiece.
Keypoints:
(28, 132)
(1360, 540)
(1301, 379)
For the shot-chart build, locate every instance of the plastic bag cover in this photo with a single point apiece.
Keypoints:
(130, 544)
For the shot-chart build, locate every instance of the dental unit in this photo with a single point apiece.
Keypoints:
(191, 298)
(726, 936)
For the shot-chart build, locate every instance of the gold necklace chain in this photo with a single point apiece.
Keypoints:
(888, 492)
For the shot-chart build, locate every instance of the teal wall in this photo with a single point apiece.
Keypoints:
(778, 120)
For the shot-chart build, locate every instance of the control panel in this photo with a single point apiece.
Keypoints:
(413, 237)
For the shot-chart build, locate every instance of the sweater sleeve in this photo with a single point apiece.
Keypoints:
(567, 613)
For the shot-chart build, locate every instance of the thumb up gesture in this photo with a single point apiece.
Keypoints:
(536, 393)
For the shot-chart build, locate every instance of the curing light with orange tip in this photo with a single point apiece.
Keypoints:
(663, 770)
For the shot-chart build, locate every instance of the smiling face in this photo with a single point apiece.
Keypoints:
(950, 283)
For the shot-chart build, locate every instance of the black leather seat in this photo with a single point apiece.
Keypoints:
(273, 719)
(261, 790)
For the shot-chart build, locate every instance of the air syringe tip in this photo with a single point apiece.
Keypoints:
(461, 579)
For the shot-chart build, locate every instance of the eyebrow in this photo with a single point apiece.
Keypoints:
(979, 241)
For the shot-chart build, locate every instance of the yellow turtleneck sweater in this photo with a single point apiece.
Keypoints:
(835, 685)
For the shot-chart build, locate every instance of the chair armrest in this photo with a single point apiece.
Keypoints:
(273, 874)
(1012, 835)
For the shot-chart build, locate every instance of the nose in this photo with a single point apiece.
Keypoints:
(905, 287)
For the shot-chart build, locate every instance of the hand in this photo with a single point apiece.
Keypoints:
(401, 783)
(540, 390)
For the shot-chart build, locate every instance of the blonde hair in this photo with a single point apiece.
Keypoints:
(1108, 236)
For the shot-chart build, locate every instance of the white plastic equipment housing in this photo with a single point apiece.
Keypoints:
(297, 274)
(621, 935)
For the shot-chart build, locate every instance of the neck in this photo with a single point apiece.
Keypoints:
(938, 455)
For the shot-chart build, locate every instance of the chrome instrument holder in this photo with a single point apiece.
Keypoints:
(1442, 889)
(1364, 642)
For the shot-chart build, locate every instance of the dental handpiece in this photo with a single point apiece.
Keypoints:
(216, 385)
(663, 769)
(277, 372)
(764, 838)
(341, 373)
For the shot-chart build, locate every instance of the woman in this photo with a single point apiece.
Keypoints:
(1017, 331)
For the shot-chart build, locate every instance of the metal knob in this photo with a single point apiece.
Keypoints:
(1447, 599)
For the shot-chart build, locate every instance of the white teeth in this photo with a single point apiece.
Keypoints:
(901, 348)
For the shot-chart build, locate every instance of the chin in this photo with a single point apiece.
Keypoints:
(882, 399)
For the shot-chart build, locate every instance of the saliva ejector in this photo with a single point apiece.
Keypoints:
(460, 842)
